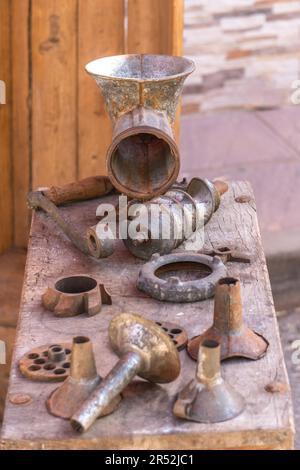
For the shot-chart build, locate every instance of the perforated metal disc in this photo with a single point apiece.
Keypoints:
(177, 334)
(37, 365)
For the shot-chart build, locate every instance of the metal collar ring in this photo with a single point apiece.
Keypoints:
(172, 289)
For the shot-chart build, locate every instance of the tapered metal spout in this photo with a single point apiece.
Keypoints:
(141, 93)
(208, 398)
(83, 379)
(228, 328)
(144, 349)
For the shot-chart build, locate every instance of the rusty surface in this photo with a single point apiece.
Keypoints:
(83, 379)
(243, 199)
(277, 387)
(184, 210)
(47, 363)
(177, 334)
(228, 255)
(88, 188)
(74, 295)
(229, 329)
(141, 93)
(144, 349)
(20, 398)
(185, 281)
(99, 247)
(37, 200)
(221, 186)
(145, 419)
(208, 398)
(206, 194)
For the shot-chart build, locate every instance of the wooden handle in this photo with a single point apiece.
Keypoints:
(88, 188)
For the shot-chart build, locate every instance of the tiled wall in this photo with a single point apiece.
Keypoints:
(247, 53)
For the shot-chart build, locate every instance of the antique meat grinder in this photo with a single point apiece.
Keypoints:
(141, 94)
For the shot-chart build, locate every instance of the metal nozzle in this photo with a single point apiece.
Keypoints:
(83, 379)
(236, 339)
(208, 398)
(144, 349)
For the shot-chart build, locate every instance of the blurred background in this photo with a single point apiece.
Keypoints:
(240, 116)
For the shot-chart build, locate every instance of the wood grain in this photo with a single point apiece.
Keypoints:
(100, 33)
(6, 232)
(54, 77)
(12, 265)
(145, 420)
(21, 112)
(156, 27)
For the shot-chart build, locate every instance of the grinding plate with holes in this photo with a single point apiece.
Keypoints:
(47, 363)
(177, 334)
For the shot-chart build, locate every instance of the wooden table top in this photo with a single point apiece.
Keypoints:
(145, 420)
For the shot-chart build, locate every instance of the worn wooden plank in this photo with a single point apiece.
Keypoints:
(21, 147)
(6, 232)
(145, 35)
(12, 265)
(145, 419)
(54, 85)
(100, 33)
(156, 27)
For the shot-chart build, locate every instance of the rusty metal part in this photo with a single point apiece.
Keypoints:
(20, 398)
(243, 199)
(221, 186)
(277, 387)
(228, 256)
(208, 398)
(181, 212)
(179, 277)
(47, 363)
(236, 339)
(88, 188)
(141, 93)
(73, 295)
(37, 200)
(144, 350)
(177, 334)
(99, 247)
(83, 379)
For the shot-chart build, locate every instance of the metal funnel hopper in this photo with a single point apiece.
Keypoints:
(141, 93)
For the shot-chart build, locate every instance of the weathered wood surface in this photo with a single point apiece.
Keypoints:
(54, 127)
(54, 55)
(145, 419)
(21, 106)
(100, 33)
(6, 232)
(156, 27)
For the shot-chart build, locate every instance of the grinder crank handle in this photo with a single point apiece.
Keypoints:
(88, 188)
(37, 200)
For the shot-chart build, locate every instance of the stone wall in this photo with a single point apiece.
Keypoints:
(247, 53)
